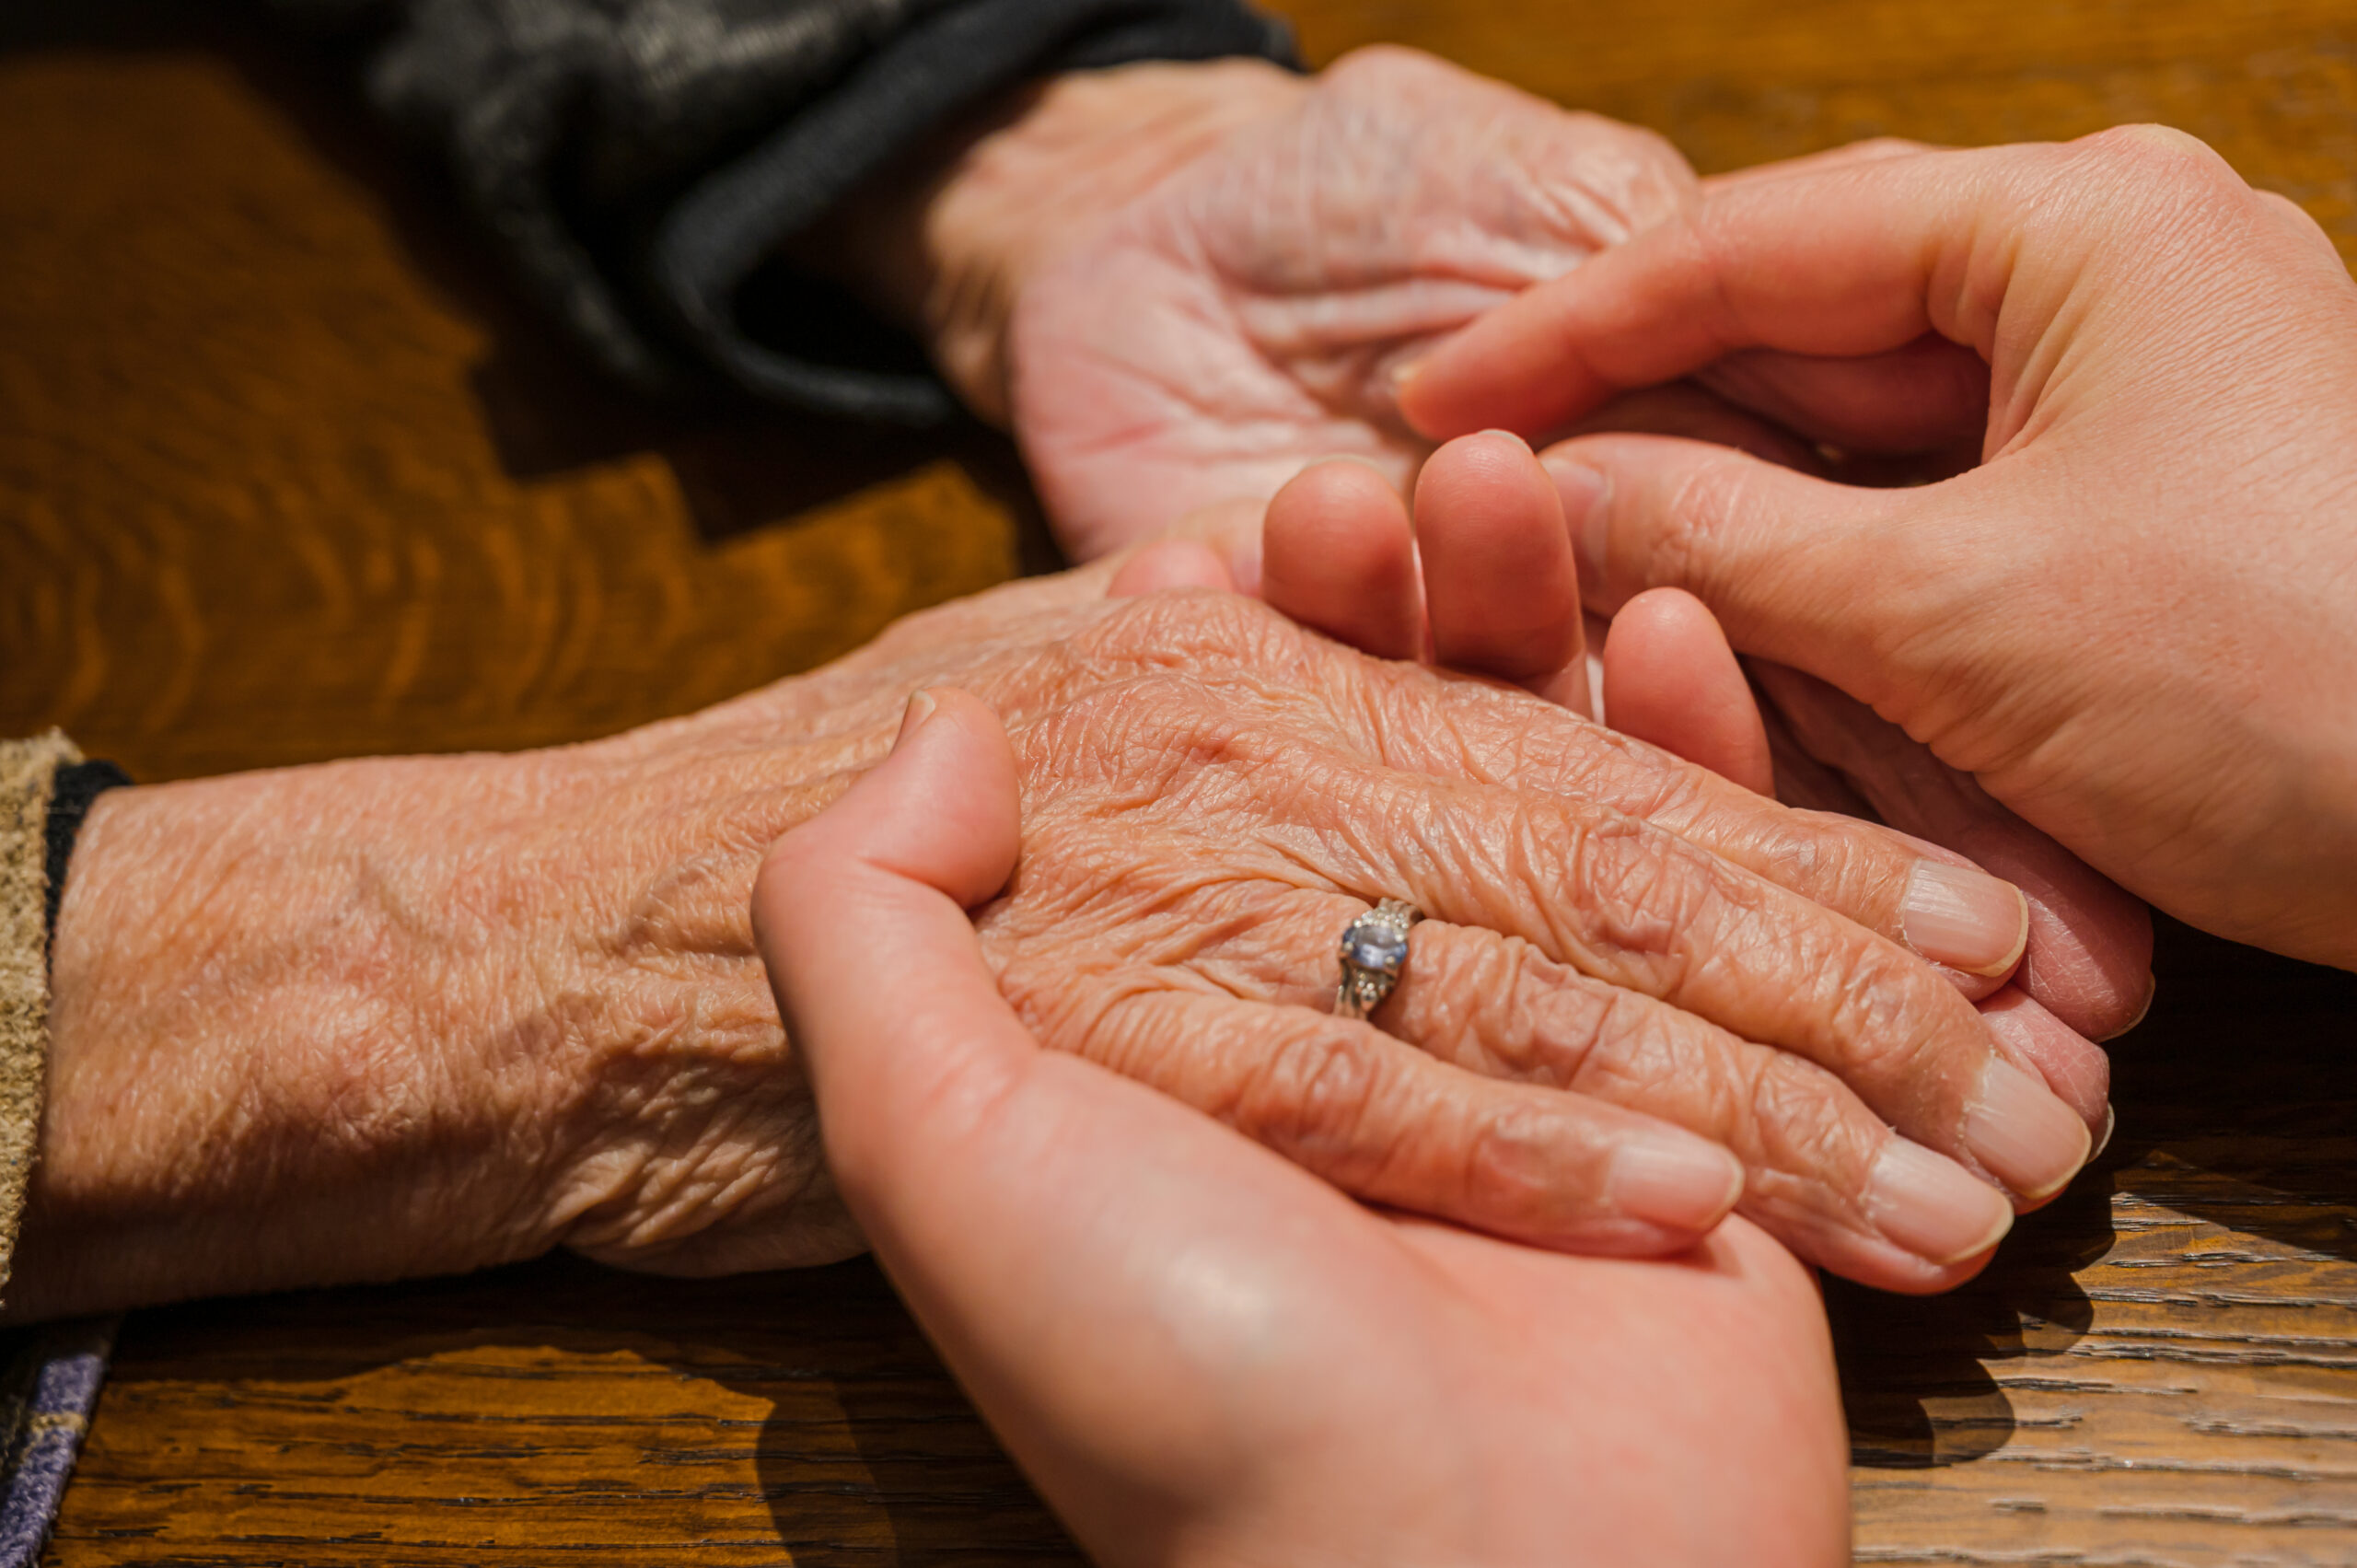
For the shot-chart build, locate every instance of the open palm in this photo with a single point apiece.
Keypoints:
(1244, 316)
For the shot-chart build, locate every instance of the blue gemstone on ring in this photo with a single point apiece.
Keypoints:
(1376, 944)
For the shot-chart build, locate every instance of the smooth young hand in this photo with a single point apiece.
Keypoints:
(2130, 622)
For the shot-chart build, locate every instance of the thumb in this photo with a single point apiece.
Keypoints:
(1794, 568)
(860, 916)
(1046, 1221)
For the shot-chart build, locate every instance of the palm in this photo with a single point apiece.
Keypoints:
(1200, 1351)
(1415, 1392)
(1244, 318)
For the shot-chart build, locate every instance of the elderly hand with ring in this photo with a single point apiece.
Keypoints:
(433, 1013)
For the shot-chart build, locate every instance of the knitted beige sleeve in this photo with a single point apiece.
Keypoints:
(26, 770)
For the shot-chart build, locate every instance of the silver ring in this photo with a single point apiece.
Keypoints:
(1375, 953)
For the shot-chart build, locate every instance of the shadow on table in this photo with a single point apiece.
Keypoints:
(548, 410)
(2238, 1097)
(868, 1447)
(1915, 1378)
(522, 1384)
(2236, 1100)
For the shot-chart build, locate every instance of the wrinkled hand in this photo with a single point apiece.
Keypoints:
(1481, 577)
(430, 1014)
(2130, 621)
(1241, 318)
(1199, 1354)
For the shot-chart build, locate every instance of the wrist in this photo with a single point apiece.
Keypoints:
(413, 1015)
(943, 244)
(232, 1046)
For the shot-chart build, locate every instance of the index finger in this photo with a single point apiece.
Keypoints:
(1857, 257)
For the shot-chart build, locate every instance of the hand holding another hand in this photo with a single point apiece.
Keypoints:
(431, 1013)
(1199, 1353)
(1185, 283)
(2130, 622)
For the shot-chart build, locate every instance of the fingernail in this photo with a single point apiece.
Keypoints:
(2152, 989)
(1679, 1183)
(1965, 918)
(2027, 1138)
(1933, 1206)
(2110, 1120)
(1583, 491)
(1509, 434)
(921, 706)
(1404, 373)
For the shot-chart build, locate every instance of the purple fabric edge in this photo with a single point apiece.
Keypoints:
(67, 1363)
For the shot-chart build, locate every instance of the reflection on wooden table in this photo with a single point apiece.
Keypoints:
(285, 475)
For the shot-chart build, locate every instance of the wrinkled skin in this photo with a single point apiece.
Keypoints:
(1132, 268)
(434, 1014)
(1242, 316)
(1199, 1354)
(1481, 580)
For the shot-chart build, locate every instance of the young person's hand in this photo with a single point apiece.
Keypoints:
(2131, 622)
(1204, 1355)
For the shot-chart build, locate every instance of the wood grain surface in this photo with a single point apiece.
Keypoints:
(286, 473)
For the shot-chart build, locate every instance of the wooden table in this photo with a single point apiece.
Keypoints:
(285, 474)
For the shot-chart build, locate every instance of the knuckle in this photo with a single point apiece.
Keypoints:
(1810, 858)
(1381, 70)
(1893, 1017)
(1703, 513)
(1196, 632)
(1669, 790)
(1644, 142)
(1855, 870)
(1887, 147)
(2290, 211)
(1637, 172)
(1546, 851)
(1313, 1097)
(2295, 218)
(1497, 1006)
(1652, 892)
(1620, 1046)
(1512, 1168)
(2168, 172)
(2159, 148)
(1801, 1119)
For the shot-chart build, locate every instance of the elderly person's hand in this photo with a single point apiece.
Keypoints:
(2131, 620)
(1199, 1354)
(399, 1017)
(1481, 580)
(1182, 283)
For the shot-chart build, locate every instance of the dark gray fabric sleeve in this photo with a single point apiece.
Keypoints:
(640, 161)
